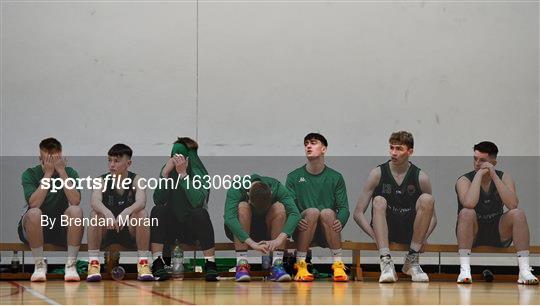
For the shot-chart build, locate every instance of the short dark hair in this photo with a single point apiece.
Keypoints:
(119, 150)
(316, 136)
(260, 194)
(188, 142)
(487, 147)
(50, 145)
(402, 138)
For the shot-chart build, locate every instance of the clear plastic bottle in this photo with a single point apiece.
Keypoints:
(15, 263)
(177, 261)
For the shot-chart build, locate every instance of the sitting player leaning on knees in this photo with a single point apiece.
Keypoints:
(113, 206)
(262, 218)
(42, 202)
(182, 211)
(403, 209)
(483, 194)
(321, 197)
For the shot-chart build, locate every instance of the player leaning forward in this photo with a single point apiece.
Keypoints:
(42, 202)
(403, 209)
(113, 206)
(261, 217)
(483, 195)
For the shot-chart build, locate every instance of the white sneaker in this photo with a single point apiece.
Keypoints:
(70, 272)
(412, 267)
(526, 277)
(388, 271)
(464, 276)
(40, 271)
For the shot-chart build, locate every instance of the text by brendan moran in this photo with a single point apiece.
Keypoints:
(65, 220)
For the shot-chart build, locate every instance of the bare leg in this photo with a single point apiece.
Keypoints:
(380, 227)
(311, 215)
(244, 216)
(467, 228)
(74, 233)
(513, 225)
(141, 232)
(95, 233)
(32, 227)
(326, 220)
(425, 206)
(275, 220)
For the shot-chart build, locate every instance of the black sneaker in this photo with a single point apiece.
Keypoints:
(159, 270)
(210, 271)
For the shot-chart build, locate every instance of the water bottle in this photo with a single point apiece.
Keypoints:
(177, 261)
(488, 275)
(15, 263)
(266, 262)
(118, 273)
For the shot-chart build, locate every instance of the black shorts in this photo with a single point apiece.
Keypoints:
(488, 234)
(123, 238)
(258, 229)
(400, 227)
(57, 235)
(318, 238)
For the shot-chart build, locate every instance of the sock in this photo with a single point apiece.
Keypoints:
(465, 259)
(414, 247)
(72, 252)
(156, 255)
(93, 255)
(523, 260)
(301, 256)
(277, 255)
(336, 254)
(37, 253)
(384, 252)
(241, 255)
(143, 255)
(210, 258)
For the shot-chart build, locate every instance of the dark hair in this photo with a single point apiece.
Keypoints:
(260, 194)
(188, 142)
(402, 138)
(487, 147)
(119, 150)
(316, 136)
(50, 145)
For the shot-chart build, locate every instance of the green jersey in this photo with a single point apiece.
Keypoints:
(55, 202)
(279, 194)
(324, 190)
(183, 199)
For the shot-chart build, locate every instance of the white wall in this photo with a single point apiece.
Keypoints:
(96, 73)
(252, 78)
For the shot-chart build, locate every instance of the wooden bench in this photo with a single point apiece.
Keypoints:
(355, 247)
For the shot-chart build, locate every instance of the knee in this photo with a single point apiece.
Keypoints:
(278, 211)
(311, 215)
(467, 215)
(379, 204)
(33, 215)
(328, 216)
(426, 201)
(244, 210)
(140, 214)
(517, 214)
(156, 212)
(74, 211)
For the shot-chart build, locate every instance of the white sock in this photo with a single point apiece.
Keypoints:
(301, 256)
(277, 255)
(210, 258)
(465, 259)
(155, 255)
(143, 255)
(241, 255)
(72, 252)
(93, 255)
(415, 246)
(523, 260)
(336, 254)
(384, 252)
(37, 253)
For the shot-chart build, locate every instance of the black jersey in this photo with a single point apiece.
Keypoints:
(116, 202)
(490, 205)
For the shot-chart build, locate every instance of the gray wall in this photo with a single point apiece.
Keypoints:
(252, 78)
